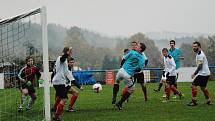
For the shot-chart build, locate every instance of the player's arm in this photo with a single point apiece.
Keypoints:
(21, 74)
(38, 74)
(63, 57)
(200, 65)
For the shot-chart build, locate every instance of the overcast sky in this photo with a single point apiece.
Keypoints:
(123, 17)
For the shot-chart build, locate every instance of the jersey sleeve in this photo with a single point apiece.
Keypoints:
(127, 55)
(200, 59)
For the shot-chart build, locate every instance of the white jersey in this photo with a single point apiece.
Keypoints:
(170, 65)
(144, 56)
(61, 72)
(70, 78)
(201, 59)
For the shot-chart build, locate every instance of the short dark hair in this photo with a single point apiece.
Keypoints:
(70, 59)
(27, 58)
(172, 41)
(198, 43)
(134, 42)
(164, 49)
(143, 47)
(125, 50)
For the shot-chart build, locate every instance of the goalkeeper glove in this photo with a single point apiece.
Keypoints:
(28, 83)
(40, 81)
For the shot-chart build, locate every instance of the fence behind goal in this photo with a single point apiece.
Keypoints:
(151, 75)
(21, 36)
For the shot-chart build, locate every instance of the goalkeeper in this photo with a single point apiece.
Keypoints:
(28, 76)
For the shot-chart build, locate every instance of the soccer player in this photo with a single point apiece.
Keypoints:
(176, 54)
(134, 61)
(59, 82)
(139, 77)
(170, 74)
(28, 76)
(200, 76)
(70, 85)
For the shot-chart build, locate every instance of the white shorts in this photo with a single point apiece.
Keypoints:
(127, 79)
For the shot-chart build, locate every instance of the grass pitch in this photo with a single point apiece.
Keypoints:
(92, 106)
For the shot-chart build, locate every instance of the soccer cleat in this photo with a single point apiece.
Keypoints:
(165, 101)
(174, 97)
(20, 109)
(113, 101)
(164, 96)
(156, 90)
(70, 110)
(28, 108)
(119, 106)
(209, 102)
(192, 103)
(56, 119)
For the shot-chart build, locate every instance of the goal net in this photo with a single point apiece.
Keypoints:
(22, 36)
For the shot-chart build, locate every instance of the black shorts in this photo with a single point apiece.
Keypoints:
(31, 89)
(139, 77)
(201, 81)
(61, 91)
(171, 80)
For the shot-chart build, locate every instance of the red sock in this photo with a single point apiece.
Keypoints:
(175, 90)
(176, 85)
(194, 91)
(72, 100)
(57, 100)
(168, 92)
(206, 93)
(124, 90)
(59, 110)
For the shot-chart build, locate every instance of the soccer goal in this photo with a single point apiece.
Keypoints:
(22, 36)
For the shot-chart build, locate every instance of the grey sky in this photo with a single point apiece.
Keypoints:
(123, 17)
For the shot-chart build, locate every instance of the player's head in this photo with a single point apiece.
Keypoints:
(134, 45)
(165, 52)
(67, 50)
(142, 47)
(71, 62)
(196, 46)
(29, 61)
(126, 51)
(172, 43)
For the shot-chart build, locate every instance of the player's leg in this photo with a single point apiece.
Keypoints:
(116, 85)
(61, 90)
(194, 92)
(167, 91)
(131, 86)
(57, 98)
(24, 93)
(176, 85)
(204, 89)
(172, 80)
(74, 97)
(33, 97)
(159, 86)
(143, 85)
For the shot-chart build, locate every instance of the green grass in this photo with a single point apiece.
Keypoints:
(97, 106)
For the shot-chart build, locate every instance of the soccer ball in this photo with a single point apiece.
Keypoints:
(97, 88)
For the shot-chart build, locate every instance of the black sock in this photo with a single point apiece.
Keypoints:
(115, 91)
(159, 87)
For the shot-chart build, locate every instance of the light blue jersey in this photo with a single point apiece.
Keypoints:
(133, 61)
(176, 53)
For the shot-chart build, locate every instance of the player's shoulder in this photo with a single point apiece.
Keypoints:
(169, 57)
(200, 54)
